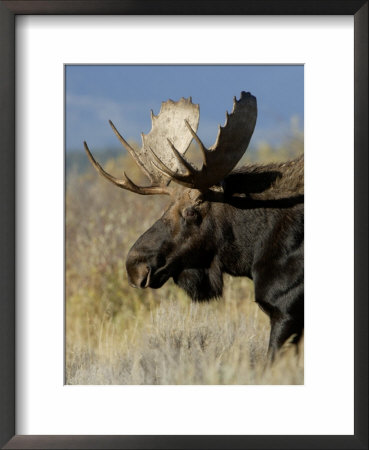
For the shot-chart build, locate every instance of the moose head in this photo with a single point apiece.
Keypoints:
(219, 220)
(179, 244)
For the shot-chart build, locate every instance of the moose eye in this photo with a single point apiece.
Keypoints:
(190, 214)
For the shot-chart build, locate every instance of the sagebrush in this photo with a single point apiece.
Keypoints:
(119, 335)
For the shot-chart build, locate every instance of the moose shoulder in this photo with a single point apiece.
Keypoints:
(245, 222)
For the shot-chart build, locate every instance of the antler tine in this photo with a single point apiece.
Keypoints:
(165, 169)
(185, 180)
(231, 143)
(180, 158)
(203, 149)
(126, 183)
(131, 150)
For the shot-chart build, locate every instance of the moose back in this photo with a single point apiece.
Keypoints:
(244, 222)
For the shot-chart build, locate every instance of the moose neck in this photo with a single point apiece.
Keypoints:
(246, 228)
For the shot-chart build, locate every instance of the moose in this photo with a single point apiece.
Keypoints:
(247, 221)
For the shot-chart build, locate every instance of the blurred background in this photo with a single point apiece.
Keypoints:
(126, 94)
(119, 335)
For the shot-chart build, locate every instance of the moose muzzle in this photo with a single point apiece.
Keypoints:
(138, 274)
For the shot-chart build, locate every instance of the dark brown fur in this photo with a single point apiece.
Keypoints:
(254, 227)
(268, 182)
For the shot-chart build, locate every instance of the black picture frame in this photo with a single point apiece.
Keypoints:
(8, 12)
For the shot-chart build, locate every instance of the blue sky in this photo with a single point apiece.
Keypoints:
(126, 94)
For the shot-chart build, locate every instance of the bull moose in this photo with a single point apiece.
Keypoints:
(244, 222)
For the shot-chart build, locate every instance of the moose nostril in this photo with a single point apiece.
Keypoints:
(138, 274)
(144, 280)
(144, 274)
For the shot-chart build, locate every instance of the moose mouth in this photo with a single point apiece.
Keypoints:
(144, 275)
(156, 279)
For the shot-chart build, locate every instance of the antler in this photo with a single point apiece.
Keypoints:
(219, 160)
(126, 183)
(170, 123)
(161, 155)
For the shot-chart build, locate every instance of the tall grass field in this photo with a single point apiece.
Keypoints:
(116, 334)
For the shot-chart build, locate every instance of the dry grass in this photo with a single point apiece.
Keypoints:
(119, 335)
